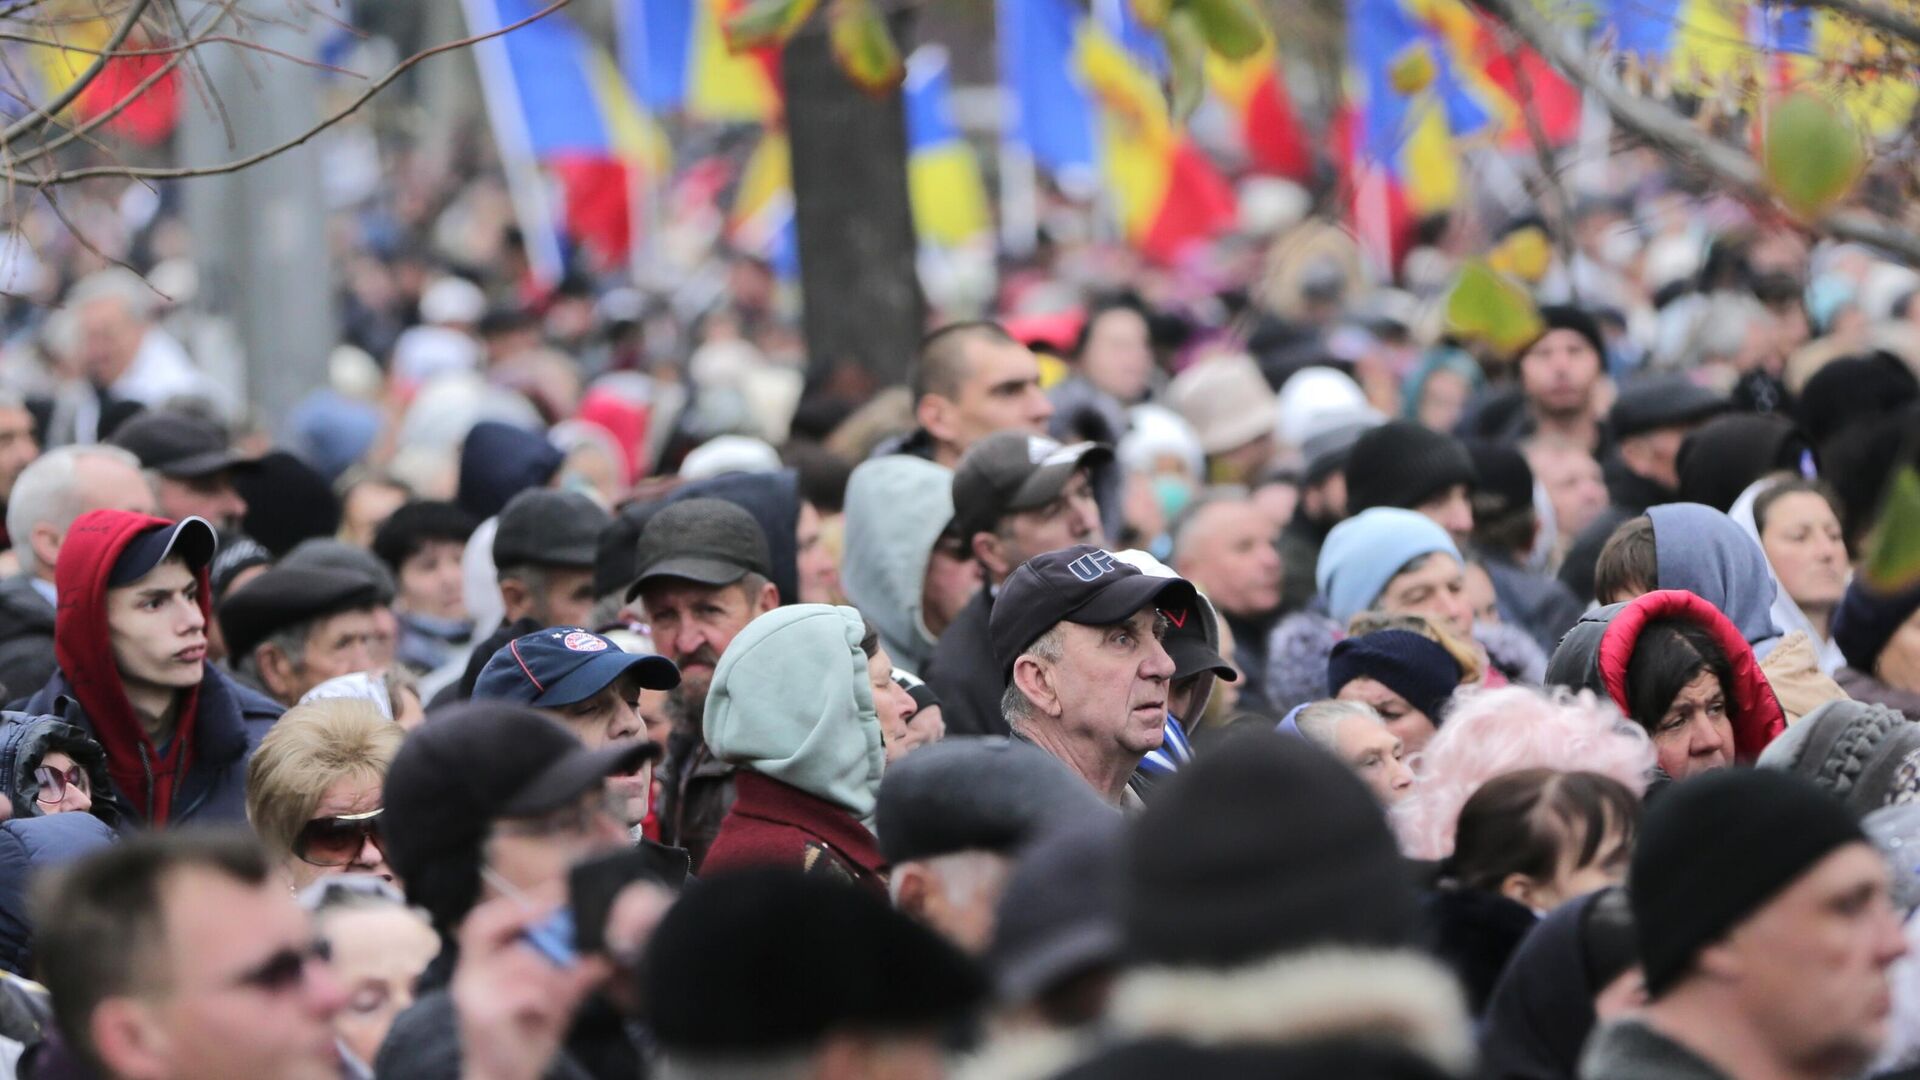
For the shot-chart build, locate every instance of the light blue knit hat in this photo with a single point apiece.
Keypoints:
(1365, 551)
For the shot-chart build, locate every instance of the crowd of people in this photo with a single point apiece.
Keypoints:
(1222, 670)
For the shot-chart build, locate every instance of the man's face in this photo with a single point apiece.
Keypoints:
(1119, 355)
(110, 335)
(1558, 374)
(338, 645)
(1073, 518)
(158, 633)
(1231, 557)
(692, 625)
(951, 580)
(1437, 588)
(568, 598)
(606, 717)
(1574, 486)
(430, 581)
(241, 994)
(212, 497)
(1001, 393)
(17, 447)
(1452, 511)
(1811, 966)
(813, 559)
(1112, 681)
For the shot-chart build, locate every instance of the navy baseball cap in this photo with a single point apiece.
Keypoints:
(1080, 584)
(192, 539)
(564, 665)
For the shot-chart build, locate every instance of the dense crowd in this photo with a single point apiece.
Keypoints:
(1214, 671)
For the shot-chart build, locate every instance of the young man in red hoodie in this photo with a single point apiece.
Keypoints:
(130, 637)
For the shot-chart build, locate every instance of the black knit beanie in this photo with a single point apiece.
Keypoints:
(1403, 464)
(1266, 846)
(1866, 620)
(1409, 664)
(1724, 458)
(1562, 317)
(1851, 388)
(1716, 849)
(1505, 478)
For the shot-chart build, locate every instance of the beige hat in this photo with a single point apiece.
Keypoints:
(1227, 401)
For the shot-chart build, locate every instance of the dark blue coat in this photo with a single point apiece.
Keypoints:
(27, 847)
(231, 722)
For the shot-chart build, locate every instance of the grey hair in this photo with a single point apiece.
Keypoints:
(533, 576)
(1050, 646)
(290, 640)
(114, 283)
(967, 878)
(1320, 721)
(45, 491)
(1182, 530)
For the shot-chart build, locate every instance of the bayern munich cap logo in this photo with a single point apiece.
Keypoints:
(581, 641)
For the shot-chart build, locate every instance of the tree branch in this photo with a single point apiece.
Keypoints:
(1670, 133)
(39, 118)
(74, 175)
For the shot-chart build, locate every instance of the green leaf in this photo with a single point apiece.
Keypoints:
(1893, 551)
(1186, 62)
(863, 46)
(1813, 154)
(1490, 307)
(1233, 28)
(766, 22)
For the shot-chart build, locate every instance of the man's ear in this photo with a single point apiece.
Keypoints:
(1721, 960)
(1519, 888)
(1035, 680)
(989, 550)
(910, 889)
(933, 412)
(129, 1039)
(768, 600)
(45, 543)
(275, 667)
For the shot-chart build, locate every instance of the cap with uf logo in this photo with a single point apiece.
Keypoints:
(565, 665)
(1080, 584)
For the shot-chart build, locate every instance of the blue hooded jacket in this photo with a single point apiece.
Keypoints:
(27, 847)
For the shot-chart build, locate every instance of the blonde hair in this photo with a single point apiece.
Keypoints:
(311, 748)
(1472, 669)
(1490, 733)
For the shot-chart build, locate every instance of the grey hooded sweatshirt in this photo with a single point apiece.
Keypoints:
(1703, 551)
(896, 507)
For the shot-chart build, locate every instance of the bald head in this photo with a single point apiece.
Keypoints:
(1226, 547)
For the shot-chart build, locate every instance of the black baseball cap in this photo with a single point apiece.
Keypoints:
(469, 766)
(178, 446)
(1010, 471)
(562, 665)
(1192, 655)
(705, 541)
(1080, 584)
(549, 528)
(191, 538)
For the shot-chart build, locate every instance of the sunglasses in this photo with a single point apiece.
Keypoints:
(337, 841)
(54, 783)
(285, 969)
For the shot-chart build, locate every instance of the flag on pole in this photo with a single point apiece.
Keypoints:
(943, 178)
(761, 223)
(677, 58)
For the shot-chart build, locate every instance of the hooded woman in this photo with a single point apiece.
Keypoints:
(1797, 525)
(50, 767)
(791, 707)
(1681, 671)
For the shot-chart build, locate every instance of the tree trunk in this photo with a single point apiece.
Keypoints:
(852, 215)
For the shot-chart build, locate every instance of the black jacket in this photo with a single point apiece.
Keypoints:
(26, 638)
(1475, 934)
(29, 846)
(1300, 544)
(696, 792)
(962, 673)
(1542, 606)
(231, 722)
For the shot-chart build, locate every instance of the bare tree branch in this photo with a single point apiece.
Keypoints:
(1667, 131)
(39, 118)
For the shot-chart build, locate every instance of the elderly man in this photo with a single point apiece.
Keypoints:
(190, 464)
(131, 360)
(1228, 548)
(1014, 496)
(704, 573)
(1768, 959)
(973, 379)
(543, 549)
(1077, 636)
(293, 628)
(953, 817)
(178, 955)
(50, 493)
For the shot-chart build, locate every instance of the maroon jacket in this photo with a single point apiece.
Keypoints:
(777, 824)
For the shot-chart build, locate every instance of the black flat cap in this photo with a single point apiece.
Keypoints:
(977, 794)
(768, 960)
(288, 596)
(178, 446)
(705, 541)
(549, 528)
(323, 553)
(1658, 401)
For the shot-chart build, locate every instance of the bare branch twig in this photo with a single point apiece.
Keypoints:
(39, 118)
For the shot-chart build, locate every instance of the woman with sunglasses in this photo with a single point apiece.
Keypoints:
(313, 789)
(51, 767)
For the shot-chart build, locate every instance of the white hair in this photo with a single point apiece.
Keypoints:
(114, 283)
(47, 492)
(966, 878)
(1320, 721)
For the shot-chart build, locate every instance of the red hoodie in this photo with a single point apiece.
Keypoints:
(81, 645)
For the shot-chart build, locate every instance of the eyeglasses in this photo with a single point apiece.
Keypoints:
(54, 783)
(337, 841)
(283, 970)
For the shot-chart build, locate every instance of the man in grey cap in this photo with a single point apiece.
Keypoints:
(952, 817)
(293, 628)
(544, 549)
(1015, 496)
(190, 463)
(703, 573)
